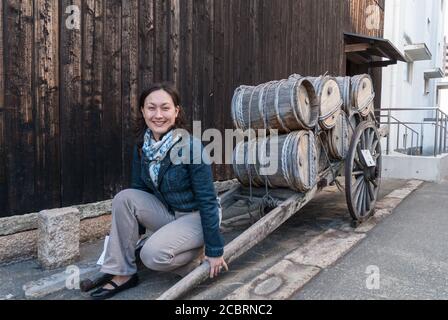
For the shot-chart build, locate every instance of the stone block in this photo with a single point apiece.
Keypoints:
(58, 237)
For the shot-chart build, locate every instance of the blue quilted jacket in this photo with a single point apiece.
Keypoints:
(185, 188)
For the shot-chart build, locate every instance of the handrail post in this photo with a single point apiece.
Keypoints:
(405, 139)
(444, 136)
(388, 136)
(441, 133)
(398, 137)
(436, 132)
(422, 133)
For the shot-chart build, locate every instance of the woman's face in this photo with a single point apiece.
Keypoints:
(159, 112)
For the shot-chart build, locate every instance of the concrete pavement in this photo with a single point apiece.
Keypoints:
(408, 250)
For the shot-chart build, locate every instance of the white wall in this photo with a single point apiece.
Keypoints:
(423, 168)
(443, 99)
(417, 21)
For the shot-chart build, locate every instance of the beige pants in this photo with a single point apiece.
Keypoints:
(175, 245)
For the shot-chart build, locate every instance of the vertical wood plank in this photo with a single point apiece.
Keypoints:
(146, 43)
(174, 47)
(218, 78)
(112, 95)
(255, 35)
(19, 118)
(92, 81)
(161, 20)
(186, 59)
(71, 108)
(129, 82)
(46, 86)
(3, 182)
(207, 31)
(197, 54)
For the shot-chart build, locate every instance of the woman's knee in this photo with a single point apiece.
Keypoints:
(156, 258)
(122, 197)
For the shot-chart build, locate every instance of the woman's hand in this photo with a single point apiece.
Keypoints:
(216, 265)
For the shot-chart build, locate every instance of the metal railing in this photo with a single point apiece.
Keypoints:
(440, 123)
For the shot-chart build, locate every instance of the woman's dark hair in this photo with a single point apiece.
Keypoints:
(140, 124)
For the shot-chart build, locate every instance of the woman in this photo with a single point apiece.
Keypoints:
(177, 202)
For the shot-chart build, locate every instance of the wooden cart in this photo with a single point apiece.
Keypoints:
(361, 168)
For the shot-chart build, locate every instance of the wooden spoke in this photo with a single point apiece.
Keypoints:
(359, 164)
(371, 191)
(357, 185)
(358, 151)
(362, 142)
(360, 200)
(374, 145)
(370, 142)
(367, 197)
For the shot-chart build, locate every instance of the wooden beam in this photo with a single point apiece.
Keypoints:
(384, 54)
(357, 58)
(379, 64)
(357, 47)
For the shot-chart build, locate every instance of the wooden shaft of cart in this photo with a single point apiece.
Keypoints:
(252, 236)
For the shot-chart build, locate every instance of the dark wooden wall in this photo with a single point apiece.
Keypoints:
(67, 95)
(357, 24)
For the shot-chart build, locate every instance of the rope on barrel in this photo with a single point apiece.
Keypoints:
(277, 112)
(332, 111)
(250, 201)
(366, 103)
(268, 202)
(239, 114)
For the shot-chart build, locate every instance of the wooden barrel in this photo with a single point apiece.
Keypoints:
(362, 94)
(330, 101)
(295, 161)
(345, 88)
(339, 138)
(285, 105)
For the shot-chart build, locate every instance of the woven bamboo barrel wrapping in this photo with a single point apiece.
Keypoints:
(286, 105)
(295, 161)
(362, 94)
(345, 88)
(339, 138)
(330, 100)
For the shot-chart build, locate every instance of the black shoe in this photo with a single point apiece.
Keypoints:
(89, 284)
(102, 293)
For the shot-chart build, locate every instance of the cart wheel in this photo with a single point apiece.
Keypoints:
(362, 182)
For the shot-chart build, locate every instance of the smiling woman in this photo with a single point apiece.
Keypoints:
(177, 202)
(160, 109)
